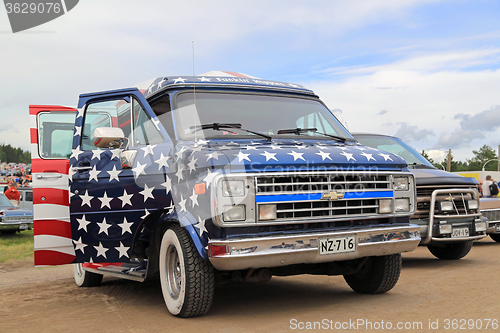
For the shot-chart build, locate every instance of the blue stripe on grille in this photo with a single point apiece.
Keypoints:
(317, 196)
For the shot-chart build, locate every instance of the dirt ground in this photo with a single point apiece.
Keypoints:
(431, 296)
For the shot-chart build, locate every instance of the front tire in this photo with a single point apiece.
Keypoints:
(84, 278)
(452, 251)
(378, 275)
(187, 281)
(495, 237)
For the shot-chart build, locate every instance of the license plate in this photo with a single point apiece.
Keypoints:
(497, 228)
(460, 232)
(337, 245)
(23, 227)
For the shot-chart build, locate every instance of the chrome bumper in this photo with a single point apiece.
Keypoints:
(12, 225)
(257, 252)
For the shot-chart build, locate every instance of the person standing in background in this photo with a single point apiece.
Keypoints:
(13, 194)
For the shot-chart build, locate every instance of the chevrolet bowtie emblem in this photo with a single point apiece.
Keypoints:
(332, 196)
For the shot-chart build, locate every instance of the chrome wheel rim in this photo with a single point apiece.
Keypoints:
(79, 269)
(174, 272)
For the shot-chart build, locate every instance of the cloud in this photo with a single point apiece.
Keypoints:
(9, 128)
(381, 113)
(412, 133)
(472, 127)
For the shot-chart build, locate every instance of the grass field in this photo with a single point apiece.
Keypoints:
(18, 246)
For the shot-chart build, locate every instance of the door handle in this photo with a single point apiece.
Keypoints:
(81, 168)
(48, 176)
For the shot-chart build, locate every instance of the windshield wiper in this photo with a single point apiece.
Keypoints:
(299, 130)
(222, 126)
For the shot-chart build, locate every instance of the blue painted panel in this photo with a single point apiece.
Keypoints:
(317, 196)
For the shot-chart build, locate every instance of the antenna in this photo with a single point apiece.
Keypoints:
(194, 77)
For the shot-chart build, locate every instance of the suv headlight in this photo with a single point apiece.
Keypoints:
(233, 188)
(401, 183)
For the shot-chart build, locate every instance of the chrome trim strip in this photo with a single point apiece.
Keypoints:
(454, 239)
(256, 252)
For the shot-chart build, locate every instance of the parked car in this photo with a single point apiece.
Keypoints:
(447, 204)
(26, 198)
(14, 219)
(490, 208)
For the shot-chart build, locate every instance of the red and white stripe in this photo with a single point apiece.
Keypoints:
(52, 228)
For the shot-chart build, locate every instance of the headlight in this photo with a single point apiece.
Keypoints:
(480, 226)
(402, 205)
(385, 206)
(233, 188)
(267, 212)
(401, 184)
(472, 204)
(446, 206)
(445, 229)
(234, 213)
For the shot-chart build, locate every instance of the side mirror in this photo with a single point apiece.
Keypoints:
(109, 137)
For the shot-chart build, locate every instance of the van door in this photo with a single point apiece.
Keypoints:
(51, 138)
(114, 188)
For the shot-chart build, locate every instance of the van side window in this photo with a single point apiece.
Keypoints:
(55, 134)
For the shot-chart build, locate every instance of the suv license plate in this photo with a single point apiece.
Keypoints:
(23, 227)
(337, 245)
(497, 228)
(460, 232)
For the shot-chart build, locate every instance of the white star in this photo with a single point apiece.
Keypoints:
(273, 147)
(201, 226)
(156, 122)
(79, 245)
(79, 113)
(71, 172)
(105, 200)
(146, 213)
(178, 174)
(210, 177)
(296, 155)
(78, 131)
(148, 150)
(242, 157)
(182, 204)
(368, 156)
(101, 250)
(83, 223)
(139, 169)
(324, 155)
(386, 157)
(96, 154)
(167, 184)
(147, 192)
(191, 165)
(300, 146)
(179, 79)
(251, 148)
(214, 155)
(86, 198)
(194, 199)
(76, 152)
(232, 143)
(125, 198)
(115, 153)
(269, 156)
(93, 174)
(180, 152)
(361, 148)
(103, 227)
(125, 226)
(348, 156)
(162, 161)
(204, 79)
(113, 174)
(122, 250)
(200, 142)
(161, 83)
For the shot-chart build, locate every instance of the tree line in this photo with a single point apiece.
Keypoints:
(10, 154)
(485, 155)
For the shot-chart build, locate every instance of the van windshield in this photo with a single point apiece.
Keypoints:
(264, 114)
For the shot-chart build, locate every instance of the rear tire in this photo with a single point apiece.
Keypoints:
(452, 251)
(84, 278)
(378, 275)
(187, 280)
(495, 237)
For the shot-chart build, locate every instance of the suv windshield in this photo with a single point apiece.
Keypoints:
(395, 146)
(258, 113)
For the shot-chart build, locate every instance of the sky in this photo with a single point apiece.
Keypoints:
(426, 71)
